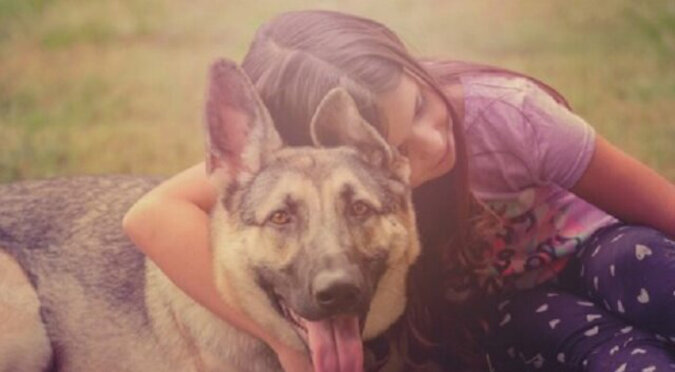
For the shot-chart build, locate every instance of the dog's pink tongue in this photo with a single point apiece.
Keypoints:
(336, 345)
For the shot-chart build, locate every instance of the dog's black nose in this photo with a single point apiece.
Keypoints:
(337, 292)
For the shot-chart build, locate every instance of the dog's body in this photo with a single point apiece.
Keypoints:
(103, 305)
(312, 243)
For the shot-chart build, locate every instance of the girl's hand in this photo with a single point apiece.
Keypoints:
(292, 360)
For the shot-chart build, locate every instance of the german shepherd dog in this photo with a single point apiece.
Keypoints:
(314, 243)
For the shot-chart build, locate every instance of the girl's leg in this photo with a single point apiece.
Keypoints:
(548, 329)
(630, 271)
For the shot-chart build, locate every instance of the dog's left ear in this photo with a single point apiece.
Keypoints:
(239, 131)
(337, 122)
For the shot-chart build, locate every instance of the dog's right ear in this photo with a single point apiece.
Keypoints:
(239, 130)
(337, 122)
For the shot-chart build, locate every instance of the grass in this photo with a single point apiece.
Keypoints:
(117, 87)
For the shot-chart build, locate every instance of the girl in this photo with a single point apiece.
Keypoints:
(544, 246)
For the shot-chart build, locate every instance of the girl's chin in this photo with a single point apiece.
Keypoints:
(443, 166)
(420, 179)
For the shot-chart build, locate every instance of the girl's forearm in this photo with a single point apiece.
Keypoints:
(627, 189)
(176, 238)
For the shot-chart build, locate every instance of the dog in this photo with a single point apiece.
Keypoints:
(314, 243)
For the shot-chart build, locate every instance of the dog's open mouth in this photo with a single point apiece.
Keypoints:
(296, 320)
(334, 343)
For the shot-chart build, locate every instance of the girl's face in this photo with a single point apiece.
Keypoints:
(419, 125)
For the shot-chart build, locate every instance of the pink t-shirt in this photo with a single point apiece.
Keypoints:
(525, 151)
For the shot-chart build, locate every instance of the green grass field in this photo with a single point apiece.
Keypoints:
(118, 87)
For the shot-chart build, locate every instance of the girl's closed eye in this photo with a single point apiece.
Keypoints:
(420, 104)
(419, 110)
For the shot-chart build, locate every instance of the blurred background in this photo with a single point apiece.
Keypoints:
(118, 86)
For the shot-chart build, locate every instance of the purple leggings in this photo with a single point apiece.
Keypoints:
(611, 310)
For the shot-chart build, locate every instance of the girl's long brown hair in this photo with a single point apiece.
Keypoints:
(294, 60)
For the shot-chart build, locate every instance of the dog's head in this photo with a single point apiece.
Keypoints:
(314, 243)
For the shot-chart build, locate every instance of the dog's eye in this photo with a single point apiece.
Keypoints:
(360, 209)
(280, 218)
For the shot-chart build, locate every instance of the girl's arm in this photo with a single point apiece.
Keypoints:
(627, 189)
(170, 225)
